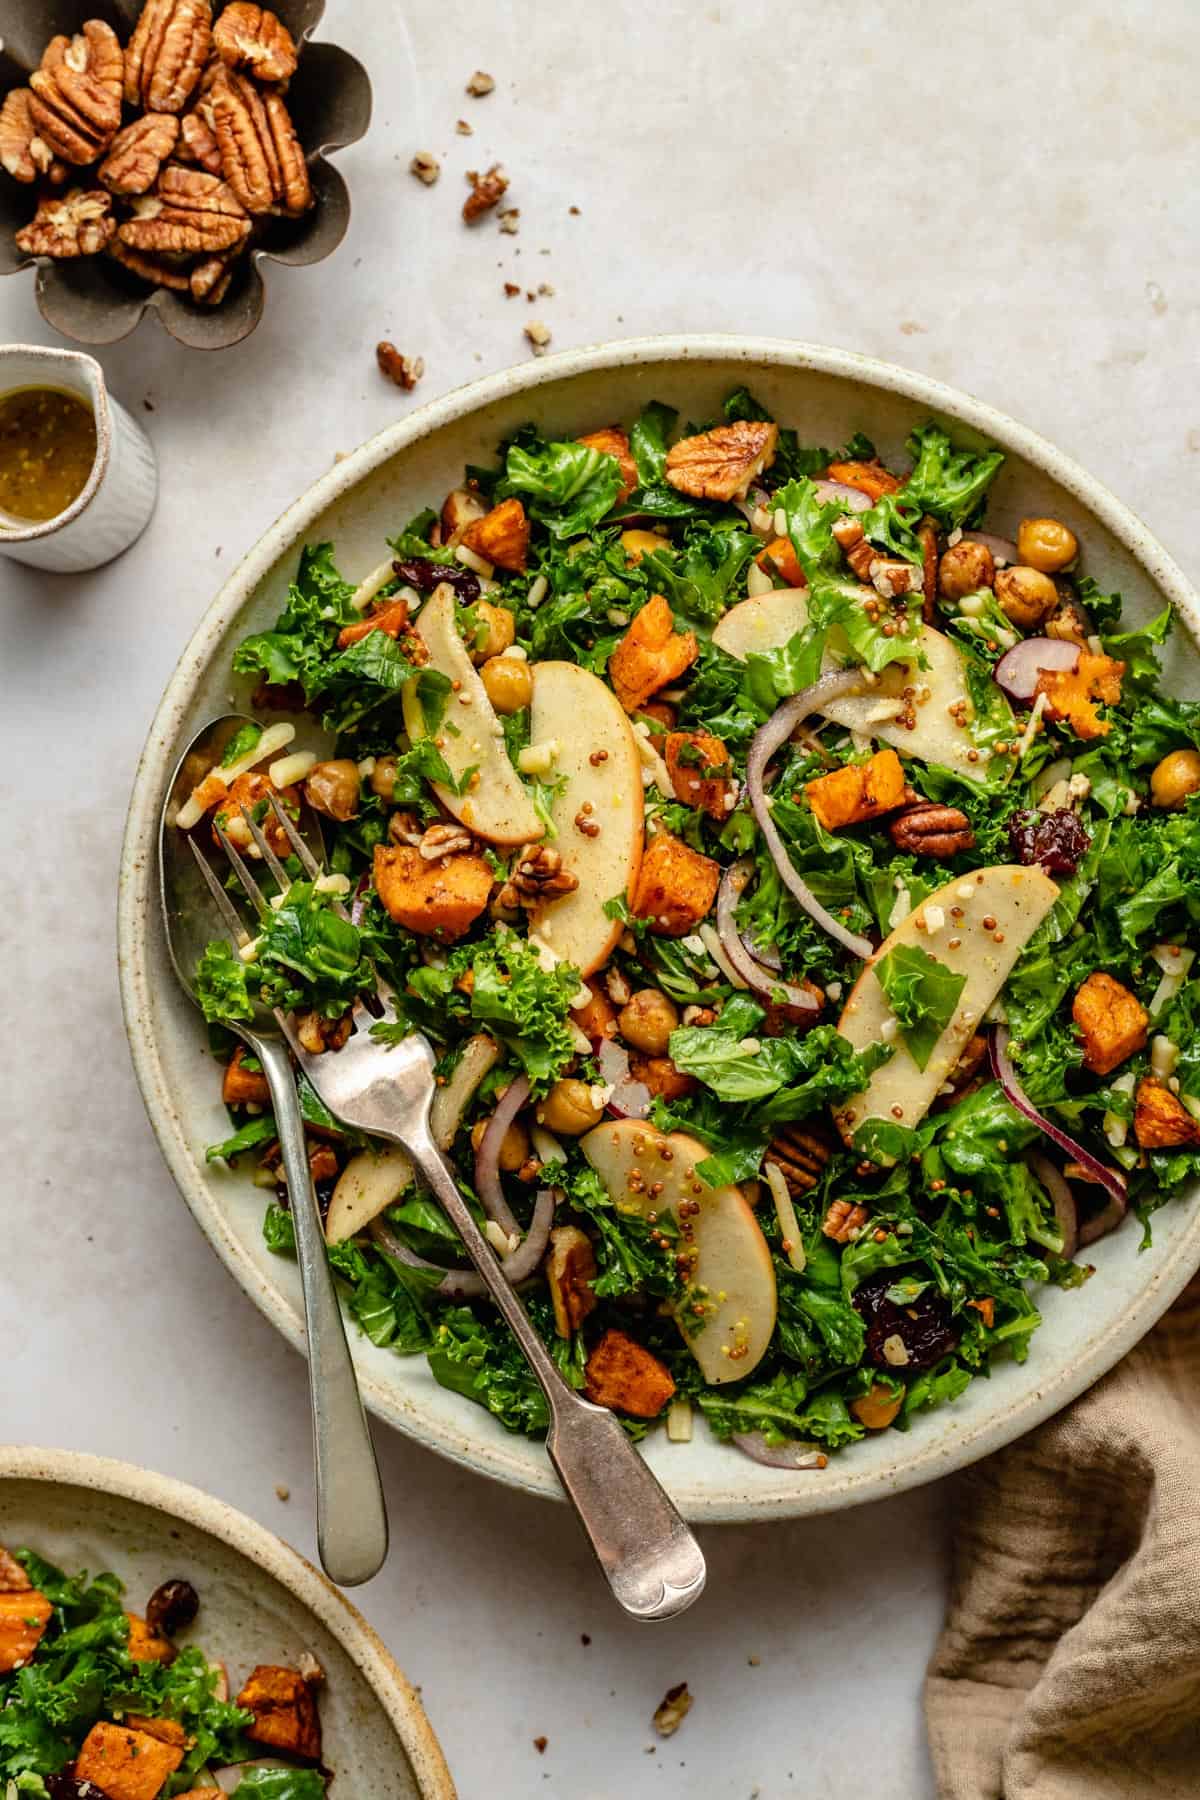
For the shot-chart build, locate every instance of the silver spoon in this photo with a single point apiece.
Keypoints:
(352, 1531)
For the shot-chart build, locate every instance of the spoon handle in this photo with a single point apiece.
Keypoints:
(352, 1531)
(650, 1559)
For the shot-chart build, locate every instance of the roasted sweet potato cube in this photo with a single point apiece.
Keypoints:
(24, 1616)
(242, 1086)
(779, 558)
(676, 887)
(1072, 694)
(167, 1731)
(126, 1764)
(1160, 1120)
(650, 655)
(857, 792)
(659, 1074)
(146, 1644)
(598, 1019)
(502, 536)
(391, 618)
(285, 1711)
(868, 478)
(13, 1579)
(1111, 1020)
(613, 442)
(570, 1270)
(435, 899)
(700, 772)
(622, 1375)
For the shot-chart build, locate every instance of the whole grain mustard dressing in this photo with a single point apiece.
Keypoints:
(47, 449)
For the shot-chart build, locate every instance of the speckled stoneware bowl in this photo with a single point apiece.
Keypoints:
(828, 394)
(92, 299)
(259, 1602)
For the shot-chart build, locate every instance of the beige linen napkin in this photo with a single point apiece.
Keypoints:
(1069, 1664)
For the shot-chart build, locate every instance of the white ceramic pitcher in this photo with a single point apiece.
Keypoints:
(118, 498)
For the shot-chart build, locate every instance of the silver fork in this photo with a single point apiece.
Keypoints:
(650, 1559)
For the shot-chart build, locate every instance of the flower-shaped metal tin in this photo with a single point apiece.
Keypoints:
(92, 299)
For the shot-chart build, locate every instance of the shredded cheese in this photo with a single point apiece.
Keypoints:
(785, 1212)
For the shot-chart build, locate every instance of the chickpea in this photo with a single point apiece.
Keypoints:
(648, 1021)
(1175, 777)
(964, 569)
(877, 1409)
(496, 631)
(383, 778)
(1026, 596)
(332, 788)
(514, 1145)
(568, 1109)
(1046, 544)
(507, 683)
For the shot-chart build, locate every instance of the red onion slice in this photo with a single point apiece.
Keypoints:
(1102, 1223)
(1018, 670)
(466, 1284)
(778, 1456)
(1058, 1188)
(487, 1157)
(769, 958)
(1005, 1074)
(760, 979)
(765, 743)
(630, 1099)
(853, 499)
(1003, 549)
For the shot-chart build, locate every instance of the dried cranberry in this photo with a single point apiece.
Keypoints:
(923, 1325)
(172, 1606)
(65, 1787)
(1056, 840)
(424, 574)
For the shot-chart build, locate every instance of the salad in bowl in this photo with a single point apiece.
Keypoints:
(793, 876)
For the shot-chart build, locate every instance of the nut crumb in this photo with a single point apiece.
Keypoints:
(282, 1491)
(538, 335)
(481, 83)
(405, 371)
(574, 211)
(486, 191)
(544, 287)
(512, 289)
(463, 128)
(754, 1661)
(584, 1639)
(672, 1710)
(425, 166)
(539, 1744)
(510, 220)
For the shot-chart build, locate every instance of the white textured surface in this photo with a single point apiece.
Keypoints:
(998, 201)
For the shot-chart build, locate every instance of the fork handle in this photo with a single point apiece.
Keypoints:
(650, 1559)
(352, 1531)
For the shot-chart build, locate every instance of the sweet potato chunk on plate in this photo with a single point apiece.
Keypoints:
(622, 1375)
(857, 792)
(676, 886)
(435, 899)
(126, 1764)
(650, 655)
(285, 1712)
(1111, 1020)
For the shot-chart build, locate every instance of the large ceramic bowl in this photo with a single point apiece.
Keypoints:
(259, 1602)
(827, 394)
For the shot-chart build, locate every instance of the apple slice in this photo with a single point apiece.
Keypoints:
(976, 926)
(733, 1278)
(470, 736)
(369, 1182)
(764, 622)
(940, 707)
(597, 810)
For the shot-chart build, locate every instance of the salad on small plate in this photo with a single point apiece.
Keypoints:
(796, 880)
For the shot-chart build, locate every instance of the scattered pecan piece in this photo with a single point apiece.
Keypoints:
(672, 1710)
(538, 335)
(75, 96)
(481, 83)
(405, 371)
(137, 154)
(167, 53)
(254, 39)
(160, 270)
(843, 1222)
(23, 153)
(79, 223)
(721, 464)
(486, 191)
(538, 874)
(425, 166)
(888, 575)
(197, 142)
(800, 1156)
(929, 829)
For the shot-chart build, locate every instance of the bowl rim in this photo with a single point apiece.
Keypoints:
(101, 412)
(178, 1500)
(489, 1454)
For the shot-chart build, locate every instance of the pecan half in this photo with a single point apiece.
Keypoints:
(190, 213)
(844, 1222)
(929, 829)
(721, 464)
(538, 874)
(23, 153)
(296, 188)
(209, 280)
(166, 55)
(261, 155)
(800, 1156)
(160, 271)
(138, 153)
(251, 38)
(79, 223)
(75, 97)
(439, 841)
(486, 190)
(197, 142)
